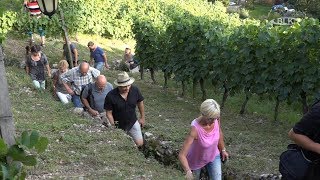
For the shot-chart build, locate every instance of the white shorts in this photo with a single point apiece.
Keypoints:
(135, 132)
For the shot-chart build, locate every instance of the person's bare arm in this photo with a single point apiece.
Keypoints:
(221, 146)
(184, 151)
(110, 117)
(55, 80)
(49, 70)
(27, 69)
(304, 141)
(75, 51)
(87, 105)
(69, 90)
(105, 60)
(142, 115)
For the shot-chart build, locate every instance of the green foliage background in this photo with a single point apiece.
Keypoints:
(312, 7)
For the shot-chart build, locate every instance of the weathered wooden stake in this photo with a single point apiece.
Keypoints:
(66, 37)
(7, 128)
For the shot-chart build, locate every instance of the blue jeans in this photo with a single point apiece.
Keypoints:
(76, 101)
(213, 168)
(99, 65)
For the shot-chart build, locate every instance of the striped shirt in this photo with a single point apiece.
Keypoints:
(78, 80)
(34, 8)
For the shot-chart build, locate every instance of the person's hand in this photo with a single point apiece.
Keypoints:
(189, 175)
(142, 121)
(54, 94)
(224, 155)
(107, 66)
(93, 112)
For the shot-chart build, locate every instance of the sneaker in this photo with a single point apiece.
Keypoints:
(78, 111)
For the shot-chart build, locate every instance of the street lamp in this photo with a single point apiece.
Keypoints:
(48, 7)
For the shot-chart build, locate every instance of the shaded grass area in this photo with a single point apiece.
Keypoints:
(259, 10)
(81, 148)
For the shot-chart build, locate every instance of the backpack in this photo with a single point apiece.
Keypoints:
(90, 97)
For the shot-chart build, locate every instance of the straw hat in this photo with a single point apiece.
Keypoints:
(123, 80)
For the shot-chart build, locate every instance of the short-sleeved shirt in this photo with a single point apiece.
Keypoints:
(33, 8)
(97, 55)
(123, 111)
(66, 53)
(37, 67)
(77, 80)
(309, 126)
(96, 96)
(59, 85)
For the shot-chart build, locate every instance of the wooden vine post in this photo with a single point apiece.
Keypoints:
(65, 32)
(7, 128)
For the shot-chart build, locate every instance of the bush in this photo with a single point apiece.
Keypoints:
(24, 152)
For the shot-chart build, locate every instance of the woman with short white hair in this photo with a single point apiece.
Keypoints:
(204, 145)
(58, 87)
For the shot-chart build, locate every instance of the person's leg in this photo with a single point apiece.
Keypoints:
(63, 97)
(76, 101)
(136, 134)
(196, 174)
(285, 174)
(42, 35)
(30, 34)
(99, 65)
(214, 169)
(43, 84)
(36, 84)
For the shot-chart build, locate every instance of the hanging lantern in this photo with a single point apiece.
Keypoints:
(48, 7)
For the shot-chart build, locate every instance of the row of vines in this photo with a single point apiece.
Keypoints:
(198, 43)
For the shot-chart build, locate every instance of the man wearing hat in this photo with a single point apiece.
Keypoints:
(120, 105)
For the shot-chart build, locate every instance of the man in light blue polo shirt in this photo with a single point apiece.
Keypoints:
(98, 56)
(93, 97)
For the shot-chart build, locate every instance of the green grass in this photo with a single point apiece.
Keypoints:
(259, 11)
(81, 148)
(262, 12)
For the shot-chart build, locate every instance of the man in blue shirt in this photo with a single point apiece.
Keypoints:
(98, 56)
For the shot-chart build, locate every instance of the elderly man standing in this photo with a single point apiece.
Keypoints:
(98, 55)
(75, 79)
(121, 105)
(93, 96)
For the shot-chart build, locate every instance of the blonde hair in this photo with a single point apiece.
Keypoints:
(210, 109)
(63, 63)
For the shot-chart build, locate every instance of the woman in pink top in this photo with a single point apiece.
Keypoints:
(204, 146)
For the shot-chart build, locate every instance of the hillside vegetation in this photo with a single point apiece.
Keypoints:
(81, 148)
(246, 65)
